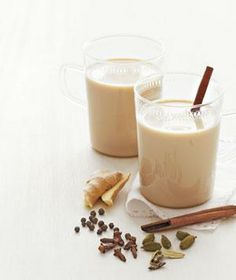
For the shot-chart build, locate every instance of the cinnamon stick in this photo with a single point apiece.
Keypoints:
(202, 88)
(191, 218)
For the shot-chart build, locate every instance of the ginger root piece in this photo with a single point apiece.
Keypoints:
(99, 184)
(109, 196)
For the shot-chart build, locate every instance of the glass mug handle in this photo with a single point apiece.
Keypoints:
(229, 113)
(64, 83)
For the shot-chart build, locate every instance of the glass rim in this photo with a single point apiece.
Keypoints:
(191, 106)
(89, 43)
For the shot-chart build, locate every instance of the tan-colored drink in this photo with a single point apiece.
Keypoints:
(111, 105)
(177, 157)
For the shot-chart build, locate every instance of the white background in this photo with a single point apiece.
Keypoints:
(45, 155)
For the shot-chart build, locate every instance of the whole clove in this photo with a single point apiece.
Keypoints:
(107, 244)
(133, 250)
(133, 238)
(117, 236)
(103, 248)
(118, 239)
(118, 254)
(128, 236)
(107, 240)
(128, 245)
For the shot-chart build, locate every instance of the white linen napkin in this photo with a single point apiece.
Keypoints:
(224, 192)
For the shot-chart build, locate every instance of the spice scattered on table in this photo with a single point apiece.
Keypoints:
(88, 223)
(156, 261)
(118, 243)
(115, 242)
(103, 248)
(162, 250)
(165, 242)
(77, 229)
(104, 227)
(93, 213)
(181, 234)
(127, 236)
(149, 238)
(118, 254)
(100, 223)
(151, 246)
(107, 240)
(187, 242)
(133, 249)
(101, 211)
(111, 225)
(95, 220)
(91, 227)
(121, 244)
(91, 218)
(170, 254)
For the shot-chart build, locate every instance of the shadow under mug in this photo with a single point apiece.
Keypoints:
(177, 146)
(112, 65)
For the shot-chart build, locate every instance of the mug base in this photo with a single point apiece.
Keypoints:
(177, 205)
(120, 155)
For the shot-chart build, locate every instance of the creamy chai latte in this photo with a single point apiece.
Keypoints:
(111, 105)
(177, 156)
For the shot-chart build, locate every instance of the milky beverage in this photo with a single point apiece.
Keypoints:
(111, 105)
(177, 156)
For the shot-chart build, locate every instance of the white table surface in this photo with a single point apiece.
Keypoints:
(45, 155)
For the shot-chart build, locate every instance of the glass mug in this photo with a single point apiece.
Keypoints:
(112, 65)
(177, 146)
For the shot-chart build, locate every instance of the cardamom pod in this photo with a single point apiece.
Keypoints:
(151, 246)
(172, 254)
(156, 260)
(181, 234)
(165, 242)
(157, 257)
(187, 242)
(157, 266)
(149, 238)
